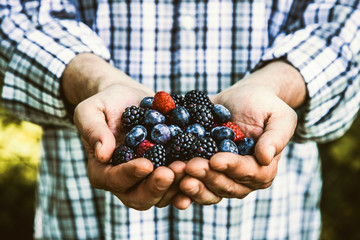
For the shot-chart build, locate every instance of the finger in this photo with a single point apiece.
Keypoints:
(245, 169)
(277, 133)
(91, 122)
(197, 191)
(181, 202)
(150, 191)
(118, 178)
(217, 182)
(178, 168)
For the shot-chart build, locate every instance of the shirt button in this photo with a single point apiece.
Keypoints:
(187, 22)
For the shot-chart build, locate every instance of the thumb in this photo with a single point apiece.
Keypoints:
(92, 126)
(277, 133)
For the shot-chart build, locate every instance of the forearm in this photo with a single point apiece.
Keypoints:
(88, 74)
(30, 86)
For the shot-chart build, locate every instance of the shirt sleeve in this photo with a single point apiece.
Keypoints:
(37, 41)
(325, 49)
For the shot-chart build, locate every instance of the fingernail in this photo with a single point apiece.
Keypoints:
(97, 148)
(272, 151)
(163, 185)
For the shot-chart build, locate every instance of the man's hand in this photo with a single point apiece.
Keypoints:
(101, 93)
(261, 105)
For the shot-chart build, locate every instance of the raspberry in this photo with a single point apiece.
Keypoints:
(178, 99)
(202, 115)
(157, 155)
(197, 97)
(132, 116)
(122, 154)
(180, 146)
(143, 146)
(163, 102)
(239, 135)
(205, 148)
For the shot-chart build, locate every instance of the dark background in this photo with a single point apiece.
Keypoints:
(340, 203)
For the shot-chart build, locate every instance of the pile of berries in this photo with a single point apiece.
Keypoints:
(165, 128)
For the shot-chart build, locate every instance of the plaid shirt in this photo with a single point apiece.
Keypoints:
(178, 46)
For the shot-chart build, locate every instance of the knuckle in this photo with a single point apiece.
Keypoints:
(249, 177)
(227, 190)
(268, 177)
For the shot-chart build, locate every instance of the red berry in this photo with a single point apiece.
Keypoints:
(143, 146)
(163, 102)
(239, 135)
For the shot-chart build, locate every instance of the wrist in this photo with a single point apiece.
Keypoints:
(282, 79)
(88, 74)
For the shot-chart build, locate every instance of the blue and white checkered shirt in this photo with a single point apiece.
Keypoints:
(177, 46)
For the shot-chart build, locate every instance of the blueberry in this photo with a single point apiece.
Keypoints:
(246, 146)
(135, 136)
(221, 113)
(227, 145)
(197, 130)
(160, 134)
(153, 117)
(146, 102)
(181, 116)
(174, 130)
(221, 133)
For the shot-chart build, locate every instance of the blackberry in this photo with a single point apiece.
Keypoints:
(202, 115)
(205, 148)
(157, 155)
(178, 99)
(180, 146)
(197, 97)
(122, 154)
(132, 116)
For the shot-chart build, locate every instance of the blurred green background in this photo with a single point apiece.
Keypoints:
(19, 159)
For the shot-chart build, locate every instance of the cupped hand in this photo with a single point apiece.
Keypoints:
(98, 118)
(261, 114)
(101, 93)
(135, 183)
